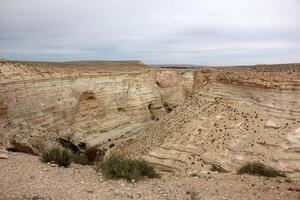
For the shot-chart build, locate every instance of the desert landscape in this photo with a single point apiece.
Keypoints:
(149, 100)
(197, 126)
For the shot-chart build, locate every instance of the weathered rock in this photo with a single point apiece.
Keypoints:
(236, 114)
(81, 104)
(228, 123)
(3, 155)
(271, 124)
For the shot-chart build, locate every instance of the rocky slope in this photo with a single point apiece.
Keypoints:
(237, 115)
(81, 104)
(221, 116)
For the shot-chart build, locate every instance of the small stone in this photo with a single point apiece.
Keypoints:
(271, 124)
(45, 169)
(179, 184)
(3, 155)
(53, 165)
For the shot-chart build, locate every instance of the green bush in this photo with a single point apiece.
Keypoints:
(117, 166)
(89, 157)
(93, 154)
(81, 159)
(259, 169)
(59, 156)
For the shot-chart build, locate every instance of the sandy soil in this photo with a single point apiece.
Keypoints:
(23, 176)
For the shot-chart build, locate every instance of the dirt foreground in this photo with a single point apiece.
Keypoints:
(23, 176)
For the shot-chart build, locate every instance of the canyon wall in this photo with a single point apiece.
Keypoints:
(83, 103)
(237, 115)
(181, 120)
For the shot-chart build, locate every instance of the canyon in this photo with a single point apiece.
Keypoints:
(182, 120)
(82, 104)
(237, 115)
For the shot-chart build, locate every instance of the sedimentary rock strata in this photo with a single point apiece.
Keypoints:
(182, 120)
(83, 103)
(237, 115)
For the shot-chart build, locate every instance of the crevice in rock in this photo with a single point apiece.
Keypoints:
(82, 145)
(153, 117)
(68, 144)
(168, 107)
(18, 147)
(87, 95)
(158, 84)
(121, 109)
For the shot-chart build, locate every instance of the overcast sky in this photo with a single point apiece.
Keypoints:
(205, 32)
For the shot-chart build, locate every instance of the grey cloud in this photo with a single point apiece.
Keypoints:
(155, 31)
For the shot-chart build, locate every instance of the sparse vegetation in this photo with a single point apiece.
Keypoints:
(81, 159)
(217, 168)
(94, 153)
(117, 166)
(259, 169)
(89, 157)
(59, 156)
(63, 157)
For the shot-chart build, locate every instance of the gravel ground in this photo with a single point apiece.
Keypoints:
(23, 176)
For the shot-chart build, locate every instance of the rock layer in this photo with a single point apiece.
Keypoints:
(237, 115)
(220, 116)
(85, 103)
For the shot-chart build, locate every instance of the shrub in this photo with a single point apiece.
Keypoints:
(89, 157)
(117, 166)
(59, 156)
(259, 169)
(217, 168)
(81, 159)
(93, 154)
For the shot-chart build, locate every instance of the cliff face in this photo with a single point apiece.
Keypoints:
(237, 115)
(220, 116)
(84, 103)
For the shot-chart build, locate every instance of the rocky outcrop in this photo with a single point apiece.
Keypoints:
(237, 115)
(182, 120)
(84, 103)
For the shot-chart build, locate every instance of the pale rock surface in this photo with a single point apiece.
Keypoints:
(85, 103)
(3, 154)
(236, 116)
(222, 116)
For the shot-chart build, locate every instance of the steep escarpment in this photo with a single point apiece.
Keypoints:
(83, 103)
(220, 116)
(237, 115)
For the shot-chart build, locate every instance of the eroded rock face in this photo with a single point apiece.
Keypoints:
(236, 116)
(86, 103)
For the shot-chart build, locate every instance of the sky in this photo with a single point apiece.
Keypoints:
(202, 32)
